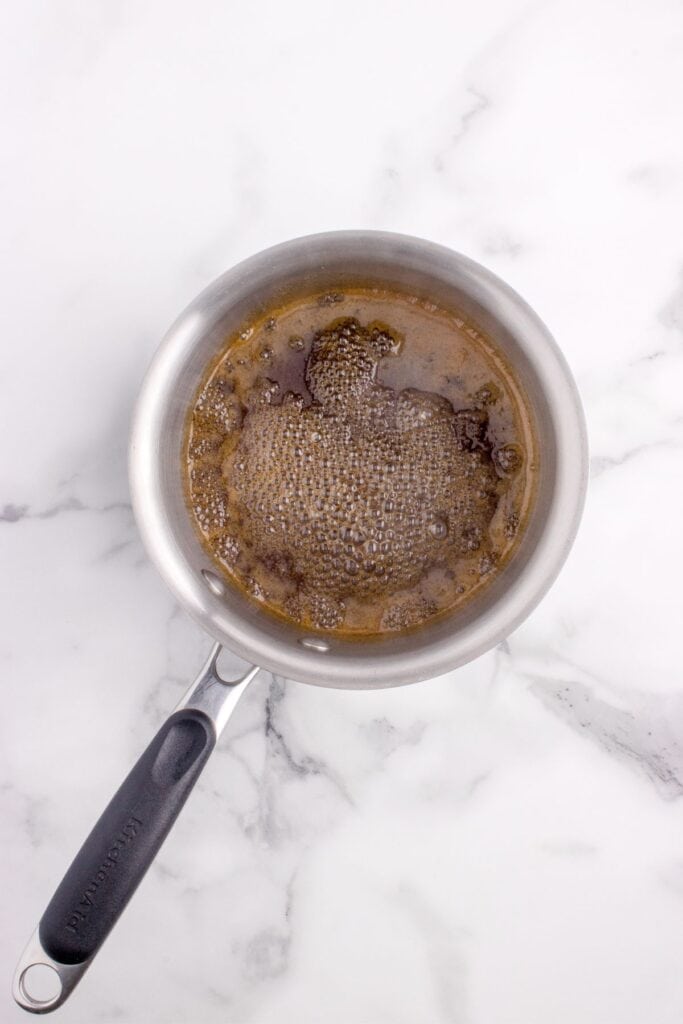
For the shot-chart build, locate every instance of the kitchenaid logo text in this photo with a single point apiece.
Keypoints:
(87, 900)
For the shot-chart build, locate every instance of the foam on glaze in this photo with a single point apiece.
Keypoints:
(342, 502)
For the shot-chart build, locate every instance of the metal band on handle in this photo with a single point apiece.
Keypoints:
(35, 956)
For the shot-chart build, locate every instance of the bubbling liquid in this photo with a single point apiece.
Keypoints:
(330, 488)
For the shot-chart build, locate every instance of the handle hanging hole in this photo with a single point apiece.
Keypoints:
(40, 985)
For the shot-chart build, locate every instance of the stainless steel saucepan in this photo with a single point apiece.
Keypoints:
(125, 840)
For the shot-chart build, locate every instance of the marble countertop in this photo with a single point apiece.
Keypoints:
(503, 845)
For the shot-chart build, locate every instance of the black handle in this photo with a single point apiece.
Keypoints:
(124, 842)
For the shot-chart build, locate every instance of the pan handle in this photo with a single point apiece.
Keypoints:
(114, 858)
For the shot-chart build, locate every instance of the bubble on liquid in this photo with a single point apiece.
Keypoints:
(254, 588)
(204, 445)
(296, 343)
(359, 493)
(472, 537)
(383, 340)
(487, 395)
(410, 611)
(263, 392)
(323, 611)
(471, 426)
(292, 398)
(217, 407)
(487, 563)
(209, 498)
(511, 524)
(508, 459)
(226, 548)
(439, 527)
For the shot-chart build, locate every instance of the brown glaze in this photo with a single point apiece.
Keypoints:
(359, 462)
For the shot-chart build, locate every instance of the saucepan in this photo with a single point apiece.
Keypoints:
(125, 840)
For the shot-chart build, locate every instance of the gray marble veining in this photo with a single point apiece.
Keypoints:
(504, 844)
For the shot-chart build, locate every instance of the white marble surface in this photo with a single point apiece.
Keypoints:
(499, 846)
